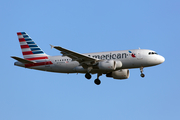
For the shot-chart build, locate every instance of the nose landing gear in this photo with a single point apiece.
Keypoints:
(142, 74)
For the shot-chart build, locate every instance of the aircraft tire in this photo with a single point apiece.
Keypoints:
(142, 75)
(88, 76)
(97, 81)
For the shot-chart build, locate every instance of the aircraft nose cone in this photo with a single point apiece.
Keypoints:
(161, 59)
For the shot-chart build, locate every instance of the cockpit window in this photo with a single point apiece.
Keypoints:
(151, 53)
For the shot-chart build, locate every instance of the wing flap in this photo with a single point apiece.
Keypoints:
(22, 60)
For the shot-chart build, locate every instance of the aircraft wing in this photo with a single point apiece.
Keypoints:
(74, 55)
(22, 60)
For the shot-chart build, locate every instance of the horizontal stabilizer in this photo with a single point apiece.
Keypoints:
(22, 60)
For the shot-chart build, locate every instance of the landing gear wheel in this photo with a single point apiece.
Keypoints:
(141, 69)
(97, 81)
(88, 76)
(142, 75)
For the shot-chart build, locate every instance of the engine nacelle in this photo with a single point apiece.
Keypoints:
(119, 74)
(118, 64)
(107, 65)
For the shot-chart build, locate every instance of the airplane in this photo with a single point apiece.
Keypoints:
(114, 64)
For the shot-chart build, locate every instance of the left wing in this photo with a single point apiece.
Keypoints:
(74, 55)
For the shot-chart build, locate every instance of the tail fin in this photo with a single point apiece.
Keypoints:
(30, 49)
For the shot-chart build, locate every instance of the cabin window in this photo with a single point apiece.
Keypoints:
(152, 53)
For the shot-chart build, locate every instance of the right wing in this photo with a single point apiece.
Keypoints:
(22, 60)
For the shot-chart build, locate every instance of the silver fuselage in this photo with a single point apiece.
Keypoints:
(64, 64)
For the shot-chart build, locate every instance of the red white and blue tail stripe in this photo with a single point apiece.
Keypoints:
(30, 50)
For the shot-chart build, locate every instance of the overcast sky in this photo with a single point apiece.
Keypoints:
(85, 27)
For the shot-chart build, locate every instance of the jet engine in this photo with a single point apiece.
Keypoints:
(119, 74)
(109, 65)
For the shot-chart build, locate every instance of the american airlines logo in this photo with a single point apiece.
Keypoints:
(132, 54)
(112, 56)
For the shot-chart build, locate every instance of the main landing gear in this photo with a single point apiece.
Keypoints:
(142, 74)
(88, 76)
(96, 81)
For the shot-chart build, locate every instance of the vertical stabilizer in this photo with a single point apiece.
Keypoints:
(30, 50)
